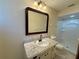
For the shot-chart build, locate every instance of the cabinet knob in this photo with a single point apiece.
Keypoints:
(47, 53)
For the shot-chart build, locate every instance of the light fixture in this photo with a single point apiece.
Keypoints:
(35, 3)
(40, 4)
(44, 6)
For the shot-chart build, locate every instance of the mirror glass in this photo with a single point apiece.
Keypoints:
(37, 21)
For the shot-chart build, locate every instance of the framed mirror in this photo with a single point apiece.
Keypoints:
(36, 22)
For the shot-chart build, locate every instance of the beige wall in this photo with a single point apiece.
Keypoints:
(70, 10)
(12, 21)
(52, 22)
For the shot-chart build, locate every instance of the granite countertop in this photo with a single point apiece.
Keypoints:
(32, 49)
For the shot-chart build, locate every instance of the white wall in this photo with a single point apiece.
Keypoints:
(12, 23)
(74, 9)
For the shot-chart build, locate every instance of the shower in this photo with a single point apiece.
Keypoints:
(68, 32)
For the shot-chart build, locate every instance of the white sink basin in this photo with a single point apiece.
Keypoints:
(43, 43)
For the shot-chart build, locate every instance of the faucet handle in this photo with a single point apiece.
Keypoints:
(41, 36)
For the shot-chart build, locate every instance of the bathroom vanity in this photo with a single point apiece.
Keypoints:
(41, 51)
(36, 22)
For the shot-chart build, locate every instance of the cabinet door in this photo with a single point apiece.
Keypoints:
(46, 55)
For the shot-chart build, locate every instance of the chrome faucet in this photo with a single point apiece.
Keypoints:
(40, 38)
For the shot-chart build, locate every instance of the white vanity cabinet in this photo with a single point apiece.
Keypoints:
(40, 52)
(46, 55)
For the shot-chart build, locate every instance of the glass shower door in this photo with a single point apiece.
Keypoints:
(68, 33)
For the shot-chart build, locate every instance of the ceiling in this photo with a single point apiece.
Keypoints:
(60, 4)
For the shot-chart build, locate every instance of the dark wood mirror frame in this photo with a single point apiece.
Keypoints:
(26, 21)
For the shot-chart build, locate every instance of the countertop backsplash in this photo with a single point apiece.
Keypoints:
(31, 38)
